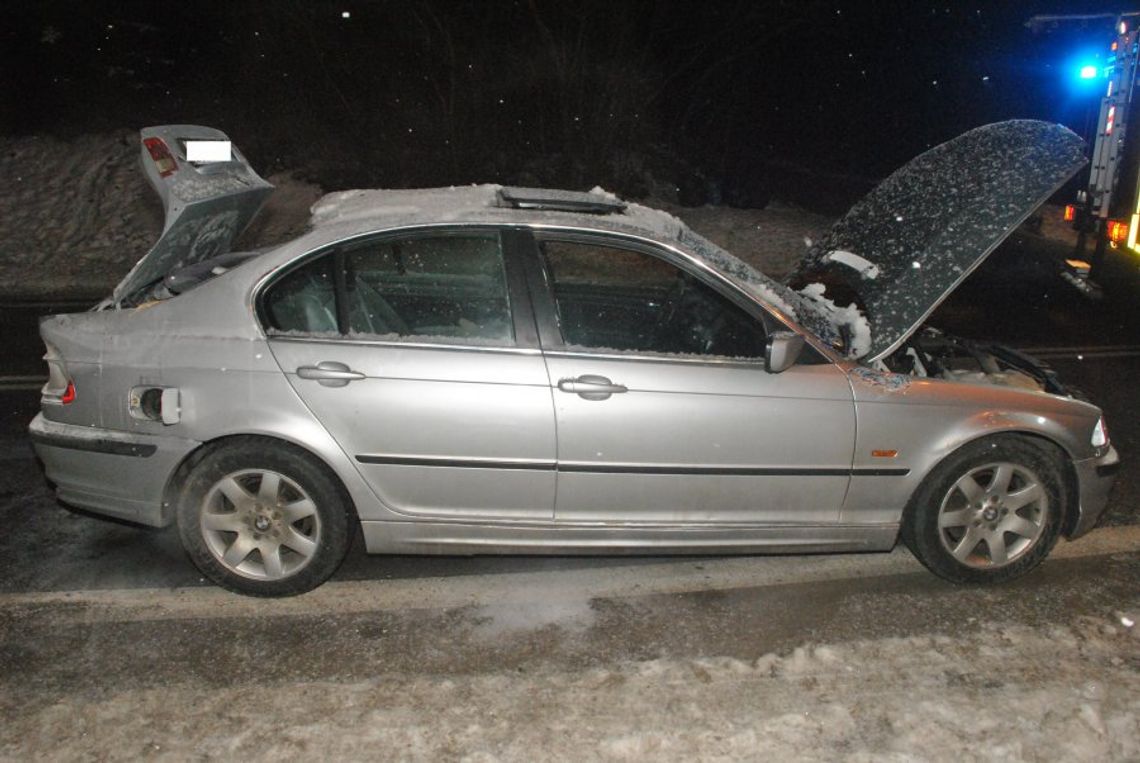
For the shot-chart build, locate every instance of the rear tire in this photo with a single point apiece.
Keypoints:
(263, 519)
(989, 513)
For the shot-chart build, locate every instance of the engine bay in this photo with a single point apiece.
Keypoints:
(932, 354)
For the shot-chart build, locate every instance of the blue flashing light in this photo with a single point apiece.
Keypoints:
(1085, 71)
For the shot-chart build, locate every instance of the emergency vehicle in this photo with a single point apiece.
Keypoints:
(1107, 211)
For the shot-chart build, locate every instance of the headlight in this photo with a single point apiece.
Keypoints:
(1100, 434)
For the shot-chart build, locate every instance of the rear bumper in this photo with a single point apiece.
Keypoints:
(120, 474)
(1095, 477)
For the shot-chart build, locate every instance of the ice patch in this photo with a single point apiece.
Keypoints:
(570, 614)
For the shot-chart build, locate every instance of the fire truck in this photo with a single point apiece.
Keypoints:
(1107, 210)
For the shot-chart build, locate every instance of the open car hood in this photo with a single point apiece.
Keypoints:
(914, 238)
(208, 201)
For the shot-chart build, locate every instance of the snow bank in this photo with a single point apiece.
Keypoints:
(1008, 693)
(770, 240)
(76, 215)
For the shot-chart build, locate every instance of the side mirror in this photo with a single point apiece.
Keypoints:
(782, 352)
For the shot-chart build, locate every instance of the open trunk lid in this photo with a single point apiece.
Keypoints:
(914, 238)
(209, 194)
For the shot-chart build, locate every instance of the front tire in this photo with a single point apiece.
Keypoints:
(989, 513)
(263, 519)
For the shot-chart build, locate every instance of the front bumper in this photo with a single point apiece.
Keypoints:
(120, 474)
(1095, 477)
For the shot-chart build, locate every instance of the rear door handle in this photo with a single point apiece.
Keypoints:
(591, 387)
(329, 373)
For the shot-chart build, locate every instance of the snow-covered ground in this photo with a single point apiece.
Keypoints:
(1004, 694)
(510, 666)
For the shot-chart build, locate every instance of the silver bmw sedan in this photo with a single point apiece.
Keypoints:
(487, 369)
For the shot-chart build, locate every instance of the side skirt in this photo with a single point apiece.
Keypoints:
(462, 538)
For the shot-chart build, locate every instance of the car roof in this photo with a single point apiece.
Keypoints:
(347, 213)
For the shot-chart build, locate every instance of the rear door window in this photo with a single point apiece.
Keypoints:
(448, 288)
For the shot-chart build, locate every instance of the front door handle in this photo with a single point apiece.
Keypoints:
(591, 387)
(329, 373)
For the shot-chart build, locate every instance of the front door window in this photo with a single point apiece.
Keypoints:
(610, 298)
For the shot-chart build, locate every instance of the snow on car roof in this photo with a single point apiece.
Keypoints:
(478, 203)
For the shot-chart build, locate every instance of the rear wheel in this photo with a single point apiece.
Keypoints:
(263, 519)
(989, 513)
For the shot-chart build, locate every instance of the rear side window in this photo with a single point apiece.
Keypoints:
(438, 288)
(304, 300)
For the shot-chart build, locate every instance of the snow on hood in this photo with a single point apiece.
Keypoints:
(912, 240)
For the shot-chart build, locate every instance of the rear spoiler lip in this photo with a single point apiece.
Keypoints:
(206, 206)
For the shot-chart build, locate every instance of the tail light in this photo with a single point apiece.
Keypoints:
(60, 389)
(160, 153)
(1070, 213)
(1117, 231)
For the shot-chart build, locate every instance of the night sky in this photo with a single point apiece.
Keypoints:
(427, 92)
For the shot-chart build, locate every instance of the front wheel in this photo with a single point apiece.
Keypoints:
(989, 513)
(263, 519)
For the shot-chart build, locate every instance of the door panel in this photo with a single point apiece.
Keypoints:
(664, 410)
(692, 442)
(423, 420)
(412, 350)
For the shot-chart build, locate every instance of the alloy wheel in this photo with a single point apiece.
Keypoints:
(260, 524)
(993, 515)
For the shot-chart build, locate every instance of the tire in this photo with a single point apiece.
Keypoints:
(263, 519)
(990, 512)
